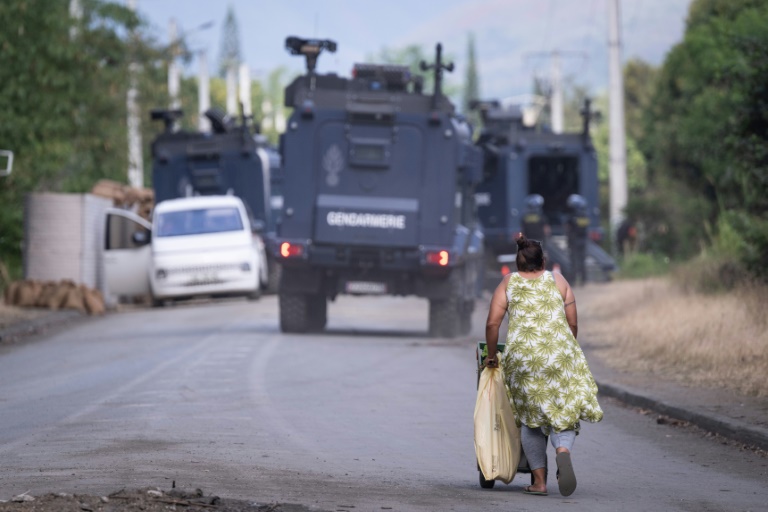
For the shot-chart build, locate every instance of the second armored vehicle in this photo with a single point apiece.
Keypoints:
(378, 194)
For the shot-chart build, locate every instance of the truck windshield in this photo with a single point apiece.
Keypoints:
(199, 221)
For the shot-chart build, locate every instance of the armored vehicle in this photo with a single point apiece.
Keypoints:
(521, 162)
(378, 194)
(230, 160)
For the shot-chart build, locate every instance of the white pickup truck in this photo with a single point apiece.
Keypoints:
(194, 246)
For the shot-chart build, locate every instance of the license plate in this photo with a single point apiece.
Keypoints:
(366, 287)
(204, 279)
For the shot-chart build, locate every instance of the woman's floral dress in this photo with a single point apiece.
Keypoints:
(548, 381)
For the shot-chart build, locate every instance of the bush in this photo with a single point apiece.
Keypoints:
(640, 265)
(744, 238)
(711, 273)
(671, 220)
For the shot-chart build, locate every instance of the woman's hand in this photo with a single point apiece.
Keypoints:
(491, 362)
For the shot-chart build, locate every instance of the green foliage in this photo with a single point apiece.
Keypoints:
(636, 163)
(639, 85)
(744, 237)
(60, 94)
(706, 132)
(671, 220)
(640, 265)
(63, 90)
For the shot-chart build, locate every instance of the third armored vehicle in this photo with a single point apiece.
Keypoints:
(378, 194)
(520, 162)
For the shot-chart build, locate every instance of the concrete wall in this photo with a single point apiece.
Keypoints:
(62, 237)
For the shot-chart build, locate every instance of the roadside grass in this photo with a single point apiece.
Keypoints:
(637, 265)
(656, 325)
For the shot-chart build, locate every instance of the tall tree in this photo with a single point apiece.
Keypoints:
(229, 54)
(62, 98)
(471, 83)
(639, 86)
(707, 125)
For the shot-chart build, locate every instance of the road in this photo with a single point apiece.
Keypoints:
(371, 414)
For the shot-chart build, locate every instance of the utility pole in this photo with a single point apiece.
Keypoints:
(173, 67)
(245, 89)
(556, 103)
(135, 155)
(555, 93)
(203, 92)
(617, 142)
(231, 90)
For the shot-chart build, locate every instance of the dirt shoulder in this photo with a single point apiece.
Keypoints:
(652, 327)
(145, 500)
(11, 315)
(697, 358)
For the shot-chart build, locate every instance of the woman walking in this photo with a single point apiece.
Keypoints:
(548, 381)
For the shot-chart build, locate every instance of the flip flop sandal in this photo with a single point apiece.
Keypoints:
(566, 478)
(527, 490)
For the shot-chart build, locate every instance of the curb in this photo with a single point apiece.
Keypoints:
(26, 328)
(727, 427)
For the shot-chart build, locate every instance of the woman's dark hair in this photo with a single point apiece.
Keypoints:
(530, 255)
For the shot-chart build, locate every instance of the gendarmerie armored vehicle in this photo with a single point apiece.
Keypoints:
(230, 159)
(378, 194)
(521, 162)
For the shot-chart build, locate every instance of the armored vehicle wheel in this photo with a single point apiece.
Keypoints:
(273, 276)
(317, 312)
(444, 317)
(486, 484)
(294, 313)
(255, 295)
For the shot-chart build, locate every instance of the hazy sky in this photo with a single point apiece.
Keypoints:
(513, 37)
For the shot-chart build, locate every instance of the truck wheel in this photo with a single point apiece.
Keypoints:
(444, 318)
(294, 315)
(317, 312)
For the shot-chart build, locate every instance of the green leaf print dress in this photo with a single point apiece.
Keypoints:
(548, 381)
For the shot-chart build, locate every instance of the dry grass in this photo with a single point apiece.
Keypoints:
(654, 326)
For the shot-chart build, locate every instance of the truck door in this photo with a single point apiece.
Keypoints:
(126, 253)
(369, 185)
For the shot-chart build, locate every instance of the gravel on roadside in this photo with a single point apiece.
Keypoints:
(146, 500)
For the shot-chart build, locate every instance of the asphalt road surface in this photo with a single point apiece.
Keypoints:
(372, 414)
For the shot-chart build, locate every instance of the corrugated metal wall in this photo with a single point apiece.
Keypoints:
(62, 237)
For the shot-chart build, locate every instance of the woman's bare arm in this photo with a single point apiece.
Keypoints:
(496, 312)
(569, 302)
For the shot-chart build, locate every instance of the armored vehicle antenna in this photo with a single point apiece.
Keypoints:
(310, 48)
(438, 66)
